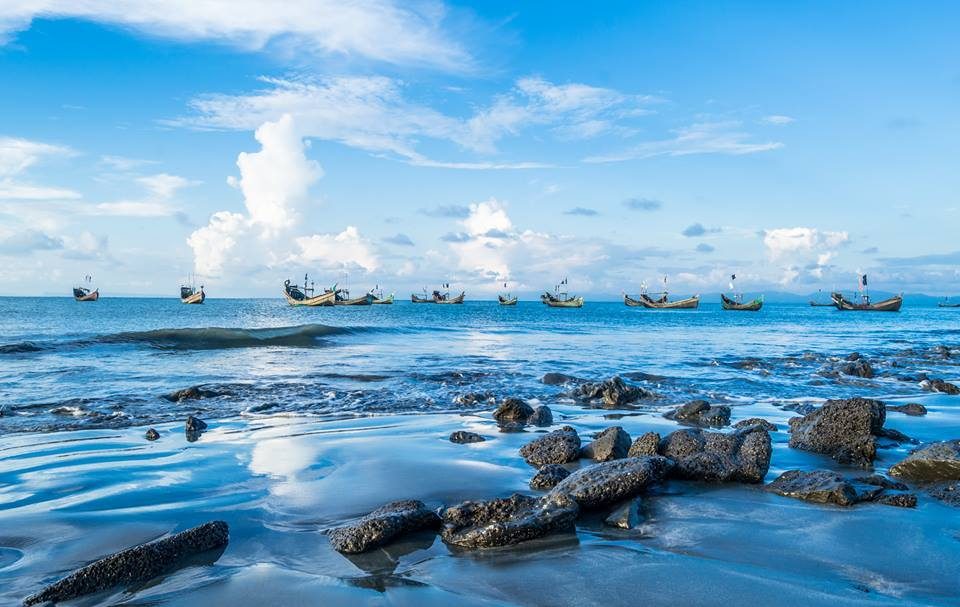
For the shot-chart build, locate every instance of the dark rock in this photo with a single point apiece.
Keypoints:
(557, 447)
(820, 486)
(611, 482)
(645, 445)
(152, 434)
(462, 437)
(194, 427)
(383, 525)
(541, 416)
(192, 393)
(879, 480)
(843, 429)
(755, 421)
(853, 357)
(511, 427)
(613, 392)
(474, 398)
(908, 409)
(628, 515)
(938, 385)
(135, 565)
(901, 500)
(948, 493)
(742, 456)
(799, 408)
(513, 410)
(931, 463)
(556, 379)
(859, 368)
(895, 435)
(548, 476)
(700, 413)
(612, 443)
(506, 521)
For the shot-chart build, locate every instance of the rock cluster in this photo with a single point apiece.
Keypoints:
(383, 525)
(700, 413)
(742, 456)
(938, 385)
(514, 413)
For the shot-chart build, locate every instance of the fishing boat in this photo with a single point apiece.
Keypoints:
(418, 299)
(891, 304)
(736, 302)
(342, 298)
(947, 304)
(304, 296)
(378, 297)
(190, 296)
(505, 298)
(661, 303)
(85, 291)
(561, 299)
(444, 297)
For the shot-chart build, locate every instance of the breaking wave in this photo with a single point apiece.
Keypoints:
(218, 338)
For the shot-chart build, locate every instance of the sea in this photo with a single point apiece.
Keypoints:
(319, 415)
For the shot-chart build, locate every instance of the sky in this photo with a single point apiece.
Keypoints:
(410, 144)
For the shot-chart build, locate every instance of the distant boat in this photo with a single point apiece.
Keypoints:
(736, 302)
(85, 291)
(189, 296)
(378, 297)
(425, 299)
(865, 305)
(297, 296)
(505, 298)
(445, 298)
(946, 304)
(561, 299)
(661, 303)
(342, 298)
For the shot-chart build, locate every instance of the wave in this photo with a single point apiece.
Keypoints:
(217, 338)
(21, 348)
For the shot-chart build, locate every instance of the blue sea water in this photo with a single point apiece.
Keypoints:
(321, 415)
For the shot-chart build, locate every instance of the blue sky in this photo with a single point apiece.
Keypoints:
(415, 143)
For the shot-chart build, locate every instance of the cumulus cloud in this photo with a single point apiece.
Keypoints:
(26, 241)
(381, 30)
(803, 249)
(642, 204)
(346, 250)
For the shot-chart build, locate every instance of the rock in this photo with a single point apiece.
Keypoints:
(901, 500)
(474, 398)
(700, 413)
(938, 385)
(513, 410)
(741, 456)
(557, 447)
(755, 421)
(152, 434)
(194, 427)
(895, 435)
(932, 463)
(820, 486)
(948, 493)
(611, 482)
(509, 427)
(908, 409)
(383, 525)
(135, 565)
(506, 521)
(881, 481)
(613, 392)
(548, 476)
(541, 416)
(556, 379)
(843, 429)
(853, 357)
(799, 408)
(858, 368)
(612, 443)
(628, 515)
(462, 437)
(191, 393)
(645, 445)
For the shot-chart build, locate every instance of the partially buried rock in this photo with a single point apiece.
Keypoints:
(513, 410)
(908, 409)
(613, 392)
(932, 463)
(742, 456)
(938, 385)
(612, 443)
(700, 413)
(557, 447)
(463, 437)
(628, 515)
(820, 486)
(900, 500)
(506, 521)
(611, 482)
(135, 565)
(152, 435)
(383, 525)
(556, 379)
(541, 416)
(191, 393)
(548, 477)
(843, 429)
(755, 421)
(645, 445)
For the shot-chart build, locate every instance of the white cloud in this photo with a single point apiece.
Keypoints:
(777, 120)
(16, 157)
(213, 243)
(701, 138)
(803, 249)
(486, 217)
(133, 208)
(341, 251)
(400, 33)
(26, 241)
(163, 185)
(10, 190)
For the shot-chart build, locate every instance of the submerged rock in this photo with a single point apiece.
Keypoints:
(931, 463)
(192, 393)
(513, 410)
(548, 476)
(858, 368)
(843, 429)
(908, 409)
(611, 482)
(135, 565)
(383, 525)
(645, 445)
(612, 443)
(879, 480)
(628, 515)
(613, 392)
(948, 493)
(152, 435)
(474, 398)
(820, 486)
(741, 456)
(462, 437)
(700, 413)
(938, 385)
(556, 379)
(755, 421)
(557, 447)
(506, 521)
(900, 500)
(541, 416)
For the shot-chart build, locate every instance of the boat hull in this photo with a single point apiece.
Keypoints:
(887, 305)
(92, 296)
(948, 305)
(691, 303)
(196, 298)
(416, 299)
(366, 300)
(324, 299)
(385, 301)
(507, 301)
(450, 300)
(732, 304)
(573, 302)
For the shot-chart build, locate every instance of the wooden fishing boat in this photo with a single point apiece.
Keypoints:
(378, 297)
(85, 291)
(342, 298)
(297, 296)
(865, 305)
(565, 302)
(445, 298)
(189, 295)
(662, 303)
(947, 304)
(415, 299)
(507, 301)
(734, 304)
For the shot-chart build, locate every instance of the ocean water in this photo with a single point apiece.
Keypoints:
(323, 414)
